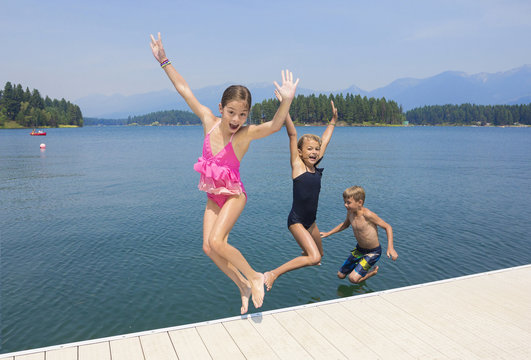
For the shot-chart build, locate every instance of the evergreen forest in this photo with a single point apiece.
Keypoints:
(468, 114)
(27, 109)
(170, 117)
(316, 110)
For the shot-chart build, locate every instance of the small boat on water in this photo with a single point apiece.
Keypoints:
(37, 133)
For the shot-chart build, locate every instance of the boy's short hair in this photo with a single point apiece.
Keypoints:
(355, 192)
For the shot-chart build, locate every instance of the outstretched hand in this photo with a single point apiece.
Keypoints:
(288, 88)
(158, 49)
(334, 110)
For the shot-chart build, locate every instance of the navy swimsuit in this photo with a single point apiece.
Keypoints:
(306, 188)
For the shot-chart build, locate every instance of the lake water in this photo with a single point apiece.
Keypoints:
(100, 234)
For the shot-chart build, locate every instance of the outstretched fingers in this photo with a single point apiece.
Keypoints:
(334, 109)
(288, 87)
(155, 42)
(287, 76)
(157, 48)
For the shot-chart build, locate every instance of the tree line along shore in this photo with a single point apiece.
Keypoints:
(21, 108)
(353, 110)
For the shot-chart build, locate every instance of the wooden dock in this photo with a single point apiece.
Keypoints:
(483, 316)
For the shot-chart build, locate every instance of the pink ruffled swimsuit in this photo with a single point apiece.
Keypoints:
(220, 173)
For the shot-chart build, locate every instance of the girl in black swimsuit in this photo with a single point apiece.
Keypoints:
(305, 153)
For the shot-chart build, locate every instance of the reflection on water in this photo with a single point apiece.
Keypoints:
(350, 290)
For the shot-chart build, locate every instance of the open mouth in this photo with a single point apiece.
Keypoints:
(233, 126)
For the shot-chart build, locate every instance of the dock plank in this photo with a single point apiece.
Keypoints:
(127, 349)
(158, 347)
(219, 343)
(188, 344)
(69, 353)
(279, 339)
(98, 351)
(448, 320)
(383, 346)
(515, 307)
(249, 340)
(335, 334)
(423, 330)
(407, 341)
(515, 311)
(39, 356)
(481, 318)
(309, 338)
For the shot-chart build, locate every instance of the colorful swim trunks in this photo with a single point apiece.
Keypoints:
(361, 260)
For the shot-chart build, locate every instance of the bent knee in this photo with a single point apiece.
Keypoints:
(207, 249)
(314, 259)
(356, 279)
(216, 244)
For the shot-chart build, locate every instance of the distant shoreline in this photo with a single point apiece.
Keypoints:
(297, 125)
(10, 126)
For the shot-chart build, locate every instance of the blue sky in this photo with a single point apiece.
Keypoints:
(73, 48)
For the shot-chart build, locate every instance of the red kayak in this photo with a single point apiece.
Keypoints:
(37, 133)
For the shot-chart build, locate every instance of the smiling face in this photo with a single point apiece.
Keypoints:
(234, 114)
(309, 151)
(352, 204)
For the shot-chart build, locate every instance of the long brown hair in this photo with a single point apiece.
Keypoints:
(236, 92)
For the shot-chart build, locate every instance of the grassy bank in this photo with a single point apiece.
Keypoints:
(11, 125)
(14, 125)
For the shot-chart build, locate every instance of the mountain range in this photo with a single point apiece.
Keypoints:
(449, 87)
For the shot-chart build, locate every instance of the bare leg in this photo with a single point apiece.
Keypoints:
(316, 234)
(309, 246)
(217, 240)
(211, 214)
(355, 278)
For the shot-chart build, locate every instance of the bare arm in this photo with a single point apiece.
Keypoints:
(204, 113)
(292, 135)
(391, 253)
(287, 92)
(327, 135)
(345, 224)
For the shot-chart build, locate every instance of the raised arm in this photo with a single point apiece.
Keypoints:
(204, 113)
(287, 92)
(327, 135)
(292, 135)
(391, 253)
(345, 224)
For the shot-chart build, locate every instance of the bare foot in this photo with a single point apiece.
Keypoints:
(370, 274)
(270, 278)
(245, 294)
(356, 279)
(257, 290)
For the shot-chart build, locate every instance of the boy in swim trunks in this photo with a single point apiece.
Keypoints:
(365, 225)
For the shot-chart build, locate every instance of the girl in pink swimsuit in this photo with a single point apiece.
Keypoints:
(220, 173)
(226, 142)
